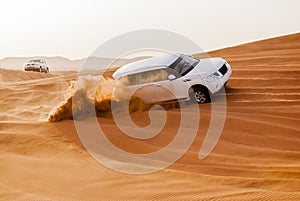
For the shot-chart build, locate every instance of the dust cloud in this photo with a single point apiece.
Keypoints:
(91, 95)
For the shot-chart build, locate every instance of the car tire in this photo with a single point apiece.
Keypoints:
(41, 69)
(47, 70)
(199, 95)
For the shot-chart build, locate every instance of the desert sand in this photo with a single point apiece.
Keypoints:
(256, 158)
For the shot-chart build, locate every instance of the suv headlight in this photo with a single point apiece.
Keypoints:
(212, 77)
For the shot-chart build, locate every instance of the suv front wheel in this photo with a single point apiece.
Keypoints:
(199, 95)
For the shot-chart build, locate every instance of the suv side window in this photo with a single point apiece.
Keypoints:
(148, 77)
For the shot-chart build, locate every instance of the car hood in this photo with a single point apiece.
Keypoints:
(209, 65)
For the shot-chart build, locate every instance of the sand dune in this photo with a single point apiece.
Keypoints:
(257, 157)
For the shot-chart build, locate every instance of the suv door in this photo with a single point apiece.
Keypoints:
(172, 86)
(141, 86)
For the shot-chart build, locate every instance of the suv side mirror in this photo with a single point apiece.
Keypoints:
(171, 77)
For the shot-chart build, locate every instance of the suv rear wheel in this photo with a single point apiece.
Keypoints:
(199, 95)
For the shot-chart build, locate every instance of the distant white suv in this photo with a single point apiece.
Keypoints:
(39, 65)
(170, 77)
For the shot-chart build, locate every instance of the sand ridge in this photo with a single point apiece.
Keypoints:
(257, 157)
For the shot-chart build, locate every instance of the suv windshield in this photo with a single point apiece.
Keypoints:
(32, 61)
(184, 64)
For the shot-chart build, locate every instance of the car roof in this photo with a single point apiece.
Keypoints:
(146, 65)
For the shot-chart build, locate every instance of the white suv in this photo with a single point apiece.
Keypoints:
(39, 65)
(172, 77)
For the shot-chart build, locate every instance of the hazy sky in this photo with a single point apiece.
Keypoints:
(74, 29)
